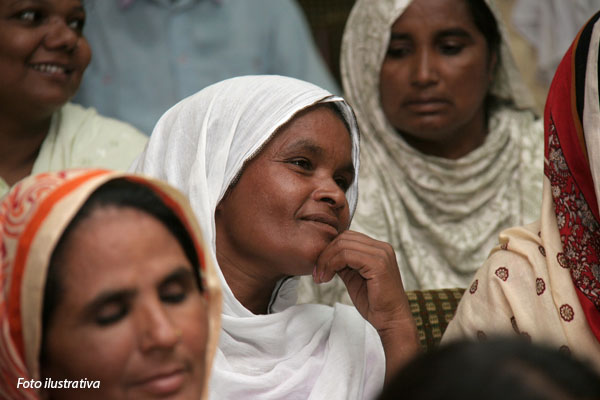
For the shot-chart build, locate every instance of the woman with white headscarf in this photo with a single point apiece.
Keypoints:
(450, 155)
(270, 165)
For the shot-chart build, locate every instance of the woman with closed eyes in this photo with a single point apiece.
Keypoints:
(106, 290)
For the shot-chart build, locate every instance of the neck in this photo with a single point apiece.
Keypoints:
(252, 288)
(20, 143)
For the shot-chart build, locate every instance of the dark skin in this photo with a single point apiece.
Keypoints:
(20, 143)
(435, 78)
(43, 55)
(288, 215)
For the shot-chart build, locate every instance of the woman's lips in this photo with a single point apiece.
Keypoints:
(323, 222)
(55, 71)
(426, 106)
(162, 384)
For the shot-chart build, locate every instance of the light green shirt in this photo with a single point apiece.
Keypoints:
(79, 137)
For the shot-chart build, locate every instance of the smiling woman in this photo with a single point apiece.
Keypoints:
(43, 55)
(270, 165)
(112, 299)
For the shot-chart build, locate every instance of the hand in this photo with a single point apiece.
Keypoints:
(370, 272)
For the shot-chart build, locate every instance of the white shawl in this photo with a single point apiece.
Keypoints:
(441, 216)
(295, 352)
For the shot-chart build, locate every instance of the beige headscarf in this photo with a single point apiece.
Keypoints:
(33, 216)
(442, 216)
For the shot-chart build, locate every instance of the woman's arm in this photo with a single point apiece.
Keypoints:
(370, 272)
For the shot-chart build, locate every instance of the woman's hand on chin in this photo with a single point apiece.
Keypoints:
(370, 272)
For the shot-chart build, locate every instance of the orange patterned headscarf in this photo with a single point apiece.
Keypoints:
(33, 216)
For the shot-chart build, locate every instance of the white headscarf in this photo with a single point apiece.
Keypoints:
(295, 352)
(442, 216)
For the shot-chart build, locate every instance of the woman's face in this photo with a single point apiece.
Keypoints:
(290, 201)
(436, 75)
(43, 53)
(130, 313)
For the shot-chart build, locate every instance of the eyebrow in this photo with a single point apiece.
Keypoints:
(16, 2)
(441, 34)
(317, 151)
(306, 145)
(109, 296)
(183, 274)
(79, 8)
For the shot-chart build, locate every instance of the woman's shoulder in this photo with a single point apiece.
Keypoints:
(86, 121)
(93, 140)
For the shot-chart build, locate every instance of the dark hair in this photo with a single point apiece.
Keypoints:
(120, 193)
(500, 368)
(486, 24)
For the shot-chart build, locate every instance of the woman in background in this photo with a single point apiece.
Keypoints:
(543, 281)
(104, 280)
(451, 155)
(43, 56)
(270, 165)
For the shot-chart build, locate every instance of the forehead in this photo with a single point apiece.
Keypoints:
(435, 15)
(113, 245)
(41, 3)
(319, 126)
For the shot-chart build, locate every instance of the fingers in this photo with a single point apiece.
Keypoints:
(367, 256)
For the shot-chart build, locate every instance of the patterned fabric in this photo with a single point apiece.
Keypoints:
(543, 281)
(81, 138)
(32, 218)
(441, 216)
(432, 311)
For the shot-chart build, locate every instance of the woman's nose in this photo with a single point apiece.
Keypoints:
(156, 330)
(329, 191)
(424, 69)
(60, 36)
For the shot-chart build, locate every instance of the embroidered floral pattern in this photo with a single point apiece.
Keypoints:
(513, 322)
(504, 246)
(566, 312)
(542, 250)
(502, 273)
(473, 287)
(564, 349)
(562, 260)
(540, 286)
(481, 335)
(579, 229)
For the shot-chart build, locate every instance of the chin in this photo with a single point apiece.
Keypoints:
(307, 260)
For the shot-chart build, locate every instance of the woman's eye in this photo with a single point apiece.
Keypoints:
(342, 183)
(173, 292)
(451, 49)
(77, 24)
(301, 162)
(111, 313)
(398, 51)
(29, 15)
